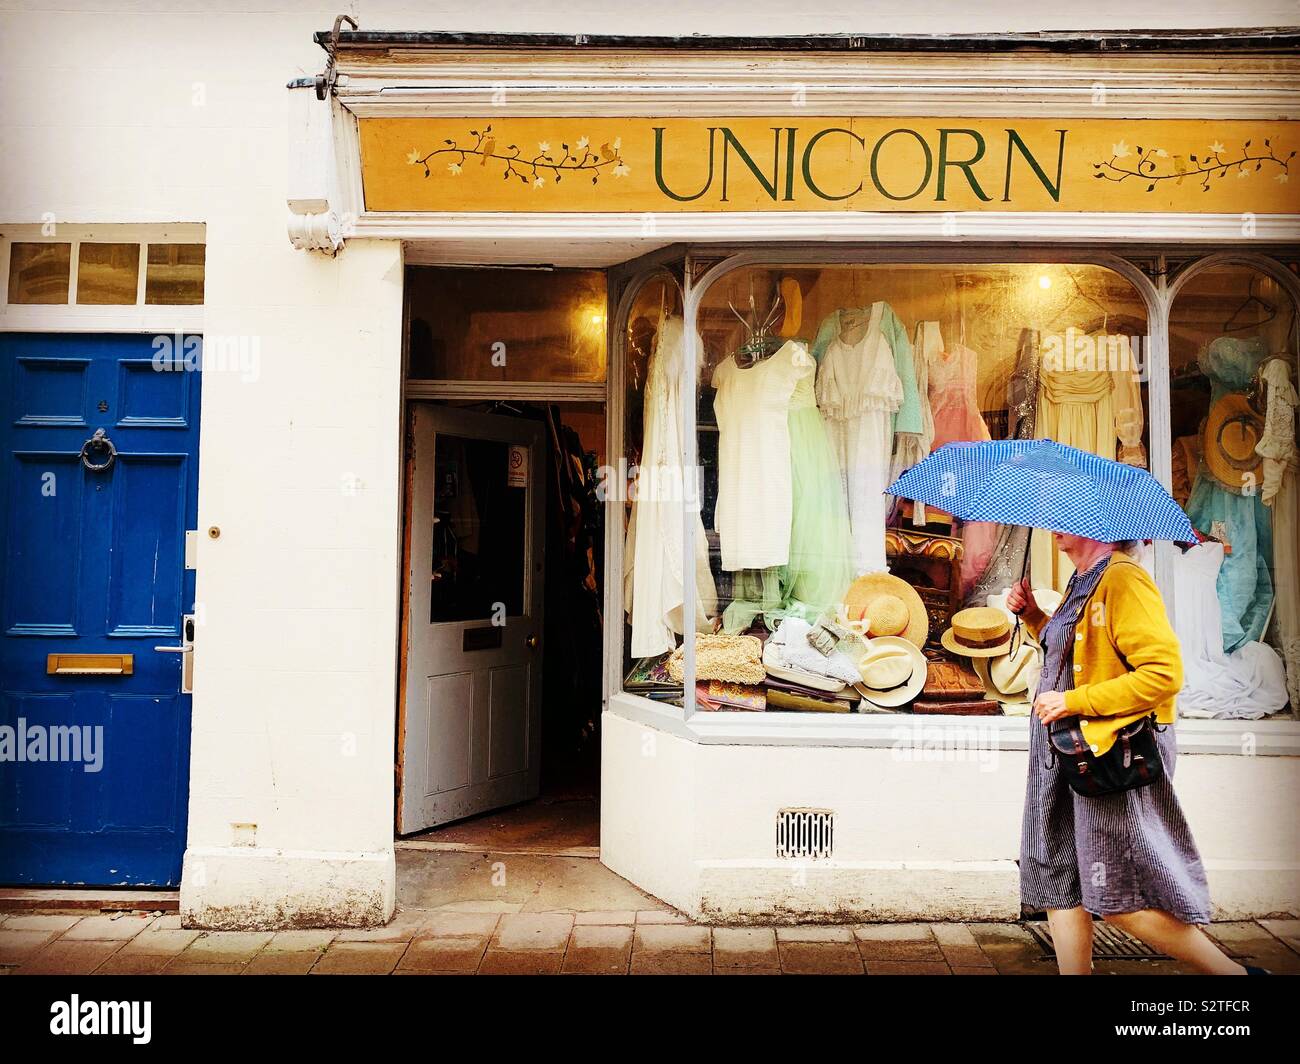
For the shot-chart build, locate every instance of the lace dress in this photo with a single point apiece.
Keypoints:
(859, 389)
(653, 566)
(1007, 555)
(1281, 462)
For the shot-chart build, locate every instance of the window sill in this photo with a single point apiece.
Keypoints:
(908, 731)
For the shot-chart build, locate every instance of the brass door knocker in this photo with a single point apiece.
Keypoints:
(102, 445)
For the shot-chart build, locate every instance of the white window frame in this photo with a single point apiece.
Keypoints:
(137, 317)
(1266, 737)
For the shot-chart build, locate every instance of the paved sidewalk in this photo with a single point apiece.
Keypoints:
(528, 913)
(463, 939)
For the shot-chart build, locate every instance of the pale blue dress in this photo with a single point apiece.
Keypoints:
(1245, 583)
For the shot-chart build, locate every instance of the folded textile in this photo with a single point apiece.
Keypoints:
(790, 642)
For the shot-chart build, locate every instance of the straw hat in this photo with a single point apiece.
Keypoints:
(1011, 677)
(1228, 440)
(893, 671)
(879, 604)
(978, 632)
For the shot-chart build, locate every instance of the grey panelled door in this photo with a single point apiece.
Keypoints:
(471, 721)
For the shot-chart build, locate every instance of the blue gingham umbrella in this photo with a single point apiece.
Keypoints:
(1045, 484)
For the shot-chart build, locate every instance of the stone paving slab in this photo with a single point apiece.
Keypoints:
(608, 941)
(598, 949)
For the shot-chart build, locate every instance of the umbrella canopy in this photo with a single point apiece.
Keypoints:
(1045, 484)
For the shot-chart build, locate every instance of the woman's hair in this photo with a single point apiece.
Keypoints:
(1133, 547)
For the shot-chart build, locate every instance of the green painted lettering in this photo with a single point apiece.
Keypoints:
(659, 168)
(807, 163)
(729, 142)
(875, 171)
(1014, 141)
(962, 164)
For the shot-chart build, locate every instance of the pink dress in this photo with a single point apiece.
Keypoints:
(957, 417)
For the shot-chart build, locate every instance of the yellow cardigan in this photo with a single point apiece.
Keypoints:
(1127, 661)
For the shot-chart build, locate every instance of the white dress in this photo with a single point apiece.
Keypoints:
(755, 492)
(653, 570)
(1281, 462)
(1248, 683)
(858, 388)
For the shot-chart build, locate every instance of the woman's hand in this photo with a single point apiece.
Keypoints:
(1020, 601)
(1050, 706)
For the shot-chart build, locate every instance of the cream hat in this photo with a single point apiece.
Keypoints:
(1011, 679)
(893, 671)
(1014, 674)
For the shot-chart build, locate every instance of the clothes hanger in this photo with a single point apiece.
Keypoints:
(762, 342)
(1228, 325)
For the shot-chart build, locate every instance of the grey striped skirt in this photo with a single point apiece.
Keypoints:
(1115, 854)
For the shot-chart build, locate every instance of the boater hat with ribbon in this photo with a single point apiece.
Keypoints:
(978, 632)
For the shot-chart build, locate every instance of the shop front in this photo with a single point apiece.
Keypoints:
(559, 457)
(811, 280)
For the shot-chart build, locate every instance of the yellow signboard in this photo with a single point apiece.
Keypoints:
(512, 165)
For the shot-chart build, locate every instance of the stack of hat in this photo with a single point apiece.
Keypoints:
(1012, 678)
(888, 614)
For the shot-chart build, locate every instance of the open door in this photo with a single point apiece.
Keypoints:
(470, 729)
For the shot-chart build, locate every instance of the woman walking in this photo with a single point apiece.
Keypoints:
(1111, 658)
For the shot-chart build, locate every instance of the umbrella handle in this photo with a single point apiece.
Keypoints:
(1017, 637)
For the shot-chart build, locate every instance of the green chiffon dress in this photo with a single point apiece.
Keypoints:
(814, 580)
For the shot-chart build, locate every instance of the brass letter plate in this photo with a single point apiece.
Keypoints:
(90, 664)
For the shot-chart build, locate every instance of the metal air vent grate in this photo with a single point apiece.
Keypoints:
(805, 833)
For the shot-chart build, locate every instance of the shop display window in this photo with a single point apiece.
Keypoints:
(813, 590)
(1232, 331)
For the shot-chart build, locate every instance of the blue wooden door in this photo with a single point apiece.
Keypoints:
(94, 764)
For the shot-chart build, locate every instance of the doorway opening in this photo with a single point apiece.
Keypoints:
(502, 627)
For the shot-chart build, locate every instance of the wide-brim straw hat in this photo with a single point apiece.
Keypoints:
(893, 671)
(880, 604)
(978, 632)
(1232, 429)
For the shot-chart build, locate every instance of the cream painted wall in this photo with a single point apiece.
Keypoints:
(122, 114)
(934, 838)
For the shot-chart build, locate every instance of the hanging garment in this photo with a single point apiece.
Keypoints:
(755, 503)
(1126, 376)
(1078, 396)
(911, 447)
(1247, 684)
(859, 389)
(952, 384)
(1012, 543)
(1245, 585)
(653, 560)
(1281, 463)
(814, 580)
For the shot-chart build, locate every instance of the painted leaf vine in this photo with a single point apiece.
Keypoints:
(580, 159)
(1154, 165)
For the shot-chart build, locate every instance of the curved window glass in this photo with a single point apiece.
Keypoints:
(1232, 353)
